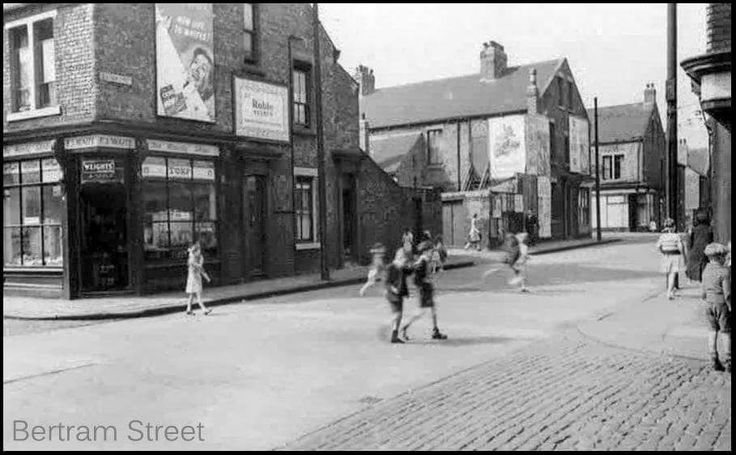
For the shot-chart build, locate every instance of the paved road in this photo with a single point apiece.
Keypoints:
(569, 393)
(263, 374)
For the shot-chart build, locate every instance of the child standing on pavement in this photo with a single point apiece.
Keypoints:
(196, 272)
(396, 290)
(426, 291)
(716, 287)
(377, 267)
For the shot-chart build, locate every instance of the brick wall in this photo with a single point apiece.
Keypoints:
(718, 25)
(76, 88)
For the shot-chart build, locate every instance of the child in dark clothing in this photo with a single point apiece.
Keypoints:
(396, 290)
(717, 295)
(426, 291)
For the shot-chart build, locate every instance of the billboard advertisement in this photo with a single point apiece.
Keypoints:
(507, 148)
(185, 68)
(544, 206)
(579, 146)
(538, 153)
(261, 110)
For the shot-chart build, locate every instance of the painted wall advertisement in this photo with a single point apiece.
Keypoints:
(537, 133)
(261, 110)
(185, 84)
(544, 204)
(507, 148)
(579, 146)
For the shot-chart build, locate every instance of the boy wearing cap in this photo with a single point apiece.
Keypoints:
(377, 267)
(426, 291)
(717, 295)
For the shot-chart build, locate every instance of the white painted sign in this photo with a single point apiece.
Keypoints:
(99, 140)
(28, 148)
(182, 147)
(579, 146)
(50, 170)
(116, 78)
(204, 170)
(507, 148)
(261, 110)
(544, 204)
(180, 169)
(153, 167)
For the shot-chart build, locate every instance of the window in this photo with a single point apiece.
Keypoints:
(584, 206)
(32, 210)
(32, 63)
(300, 87)
(249, 31)
(612, 167)
(179, 206)
(552, 143)
(567, 148)
(433, 146)
(561, 92)
(304, 209)
(569, 95)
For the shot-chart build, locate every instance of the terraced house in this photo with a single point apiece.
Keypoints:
(130, 130)
(501, 142)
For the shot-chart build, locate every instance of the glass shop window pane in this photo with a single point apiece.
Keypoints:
(52, 246)
(52, 204)
(11, 206)
(32, 205)
(30, 171)
(32, 246)
(11, 246)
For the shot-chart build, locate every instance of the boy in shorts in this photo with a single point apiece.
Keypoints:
(377, 267)
(717, 295)
(426, 291)
(396, 290)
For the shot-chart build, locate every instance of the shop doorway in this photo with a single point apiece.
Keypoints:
(104, 252)
(255, 214)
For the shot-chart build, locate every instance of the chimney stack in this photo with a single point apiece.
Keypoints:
(650, 94)
(493, 61)
(532, 93)
(365, 78)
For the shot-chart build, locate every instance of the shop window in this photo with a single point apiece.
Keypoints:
(300, 87)
(250, 32)
(33, 63)
(32, 212)
(433, 146)
(179, 206)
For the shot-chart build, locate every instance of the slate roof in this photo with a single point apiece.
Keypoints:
(455, 97)
(389, 151)
(621, 123)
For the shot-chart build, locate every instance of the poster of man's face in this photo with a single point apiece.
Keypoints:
(185, 61)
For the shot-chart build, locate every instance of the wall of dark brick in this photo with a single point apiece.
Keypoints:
(718, 24)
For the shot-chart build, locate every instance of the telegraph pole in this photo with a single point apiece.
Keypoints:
(597, 175)
(321, 177)
(671, 94)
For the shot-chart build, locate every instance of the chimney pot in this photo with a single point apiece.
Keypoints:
(493, 60)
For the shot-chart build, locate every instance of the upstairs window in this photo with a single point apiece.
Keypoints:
(249, 31)
(32, 63)
(433, 146)
(569, 95)
(612, 167)
(300, 87)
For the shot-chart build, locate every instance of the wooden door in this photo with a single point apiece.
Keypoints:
(255, 223)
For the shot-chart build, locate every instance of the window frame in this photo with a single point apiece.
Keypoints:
(190, 183)
(43, 223)
(306, 69)
(35, 69)
(617, 166)
(607, 167)
(251, 57)
(302, 173)
(436, 135)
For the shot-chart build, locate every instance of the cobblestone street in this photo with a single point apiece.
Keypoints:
(569, 393)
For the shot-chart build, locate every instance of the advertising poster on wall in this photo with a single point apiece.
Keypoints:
(261, 110)
(544, 204)
(507, 148)
(185, 82)
(579, 146)
(537, 134)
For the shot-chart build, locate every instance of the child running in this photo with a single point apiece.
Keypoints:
(195, 273)
(396, 290)
(377, 267)
(716, 291)
(519, 265)
(426, 291)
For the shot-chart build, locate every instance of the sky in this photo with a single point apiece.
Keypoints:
(613, 50)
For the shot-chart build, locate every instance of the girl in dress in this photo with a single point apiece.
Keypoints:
(195, 274)
(672, 249)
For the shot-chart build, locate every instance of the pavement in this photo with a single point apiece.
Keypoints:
(594, 357)
(24, 307)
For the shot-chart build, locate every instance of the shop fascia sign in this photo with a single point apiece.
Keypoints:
(30, 148)
(98, 170)
(99, 140)
(261, 110)
(182, 147)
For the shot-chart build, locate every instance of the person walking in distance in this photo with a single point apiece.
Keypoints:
(426, 292)
(396, 290)
(670, 245)
(700, 235)
(474, 234)
(377, 267)
(195, 266)
(531, 226)
(716, 291)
